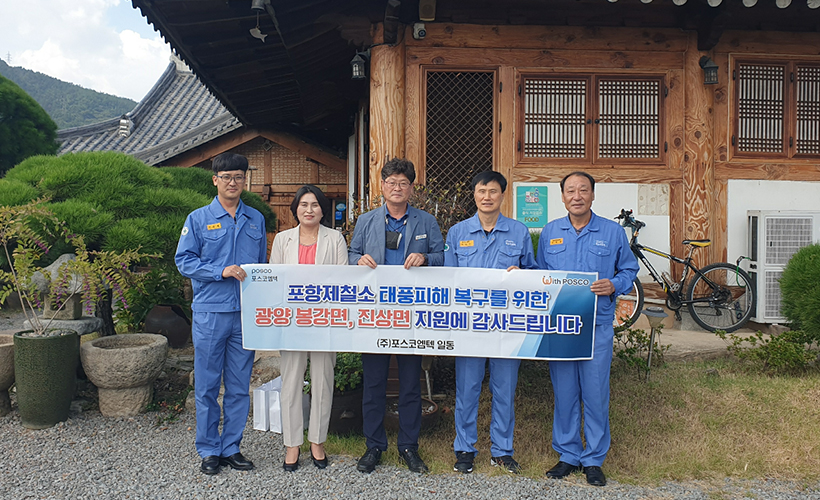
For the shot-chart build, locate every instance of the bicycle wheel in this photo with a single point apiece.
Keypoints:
(722, 298)
(628, 306)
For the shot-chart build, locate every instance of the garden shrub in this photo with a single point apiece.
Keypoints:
(115, 201)
(800, 289)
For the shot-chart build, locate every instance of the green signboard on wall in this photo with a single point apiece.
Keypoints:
(531, 204)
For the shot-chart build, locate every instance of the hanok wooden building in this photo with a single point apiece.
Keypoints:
(691, 112)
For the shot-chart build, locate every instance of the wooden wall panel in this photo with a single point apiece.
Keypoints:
(505, 140)
(769, 42)
(414, 89)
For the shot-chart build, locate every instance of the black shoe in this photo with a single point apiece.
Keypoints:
(369, 460)
(236, 461)
(320, 464)
(464, 462)
(507, 462)
(210, 465)
(290, 467)
(595, 476)
(562, 470)
(413, 461)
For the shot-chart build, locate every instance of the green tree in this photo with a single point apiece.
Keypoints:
(25, 128)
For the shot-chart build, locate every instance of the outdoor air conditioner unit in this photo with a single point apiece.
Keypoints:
(774, 236)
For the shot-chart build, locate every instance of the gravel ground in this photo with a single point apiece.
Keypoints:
(90, 456)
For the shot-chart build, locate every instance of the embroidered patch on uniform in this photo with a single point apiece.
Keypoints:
(211, 227)
(421, 237)
(509, 242)
(446, 247)
(600, 243)
(184, 230)
(557, 241)
(467, 243)
(253, 226)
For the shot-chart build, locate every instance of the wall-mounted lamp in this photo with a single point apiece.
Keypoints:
(710, 70)
(358, 66)
(259, 4)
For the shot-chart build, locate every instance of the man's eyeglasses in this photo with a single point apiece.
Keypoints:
(239, 179)
(401, 185)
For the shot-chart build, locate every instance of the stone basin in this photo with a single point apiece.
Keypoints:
(124, 367)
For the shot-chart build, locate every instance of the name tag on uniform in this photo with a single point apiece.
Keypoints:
(421, 237)
(467, 243)
(557, 241)
(211, 227)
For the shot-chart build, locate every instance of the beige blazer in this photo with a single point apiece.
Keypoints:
(331, 247)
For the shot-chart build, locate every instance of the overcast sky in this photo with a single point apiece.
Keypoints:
(105, 45)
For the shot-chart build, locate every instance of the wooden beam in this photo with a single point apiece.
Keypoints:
(547, 61)
(212, 148)
(554, 172)
(552, 37)
(387, 86)
(698, 159)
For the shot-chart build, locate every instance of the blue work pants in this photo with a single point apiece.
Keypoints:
(219, 358)
(575, 382)
(503, 381)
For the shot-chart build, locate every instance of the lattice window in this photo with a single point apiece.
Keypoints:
(554, 118)
(459, 126)
(808, 110)
(760, 108)
(777, 109)
(629, 118)
(587, 118)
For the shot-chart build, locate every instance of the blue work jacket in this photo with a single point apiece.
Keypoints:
(601, 247)
(508, 244)
(421, 235)
(212, 240)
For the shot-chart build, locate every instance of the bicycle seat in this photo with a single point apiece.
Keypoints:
(698, 243)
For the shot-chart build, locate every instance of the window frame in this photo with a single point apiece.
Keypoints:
(788, 141)
(592, 156)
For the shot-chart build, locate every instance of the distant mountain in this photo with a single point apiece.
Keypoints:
(69, 105)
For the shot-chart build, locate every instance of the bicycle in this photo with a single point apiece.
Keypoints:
(719, 297)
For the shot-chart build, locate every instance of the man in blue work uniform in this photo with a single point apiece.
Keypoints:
(215, 241)
(582, 241)
(399, 235)
(488, 240)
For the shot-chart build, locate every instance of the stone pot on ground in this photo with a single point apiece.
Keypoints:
(6, 372)
(124, 367)
(45, 370)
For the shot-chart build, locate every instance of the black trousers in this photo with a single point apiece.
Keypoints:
(374, 399)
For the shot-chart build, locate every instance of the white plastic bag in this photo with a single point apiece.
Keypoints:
(267, 410)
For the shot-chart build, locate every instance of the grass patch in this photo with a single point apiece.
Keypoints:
(706, 420)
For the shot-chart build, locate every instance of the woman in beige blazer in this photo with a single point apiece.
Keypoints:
(308, 243)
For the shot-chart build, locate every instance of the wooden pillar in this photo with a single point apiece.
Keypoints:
(698, 158)
(387, 89)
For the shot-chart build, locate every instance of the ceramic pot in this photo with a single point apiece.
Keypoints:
(124, 367)
(45, 369)
(6, 372)
(170, 322)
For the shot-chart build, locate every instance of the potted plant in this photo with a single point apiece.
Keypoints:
(346, 413)
(159, 307)
(45, 360)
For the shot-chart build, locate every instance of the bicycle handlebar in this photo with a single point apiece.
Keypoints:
(629, 220)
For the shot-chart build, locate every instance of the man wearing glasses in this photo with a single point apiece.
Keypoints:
(400, 235)
(215, 241)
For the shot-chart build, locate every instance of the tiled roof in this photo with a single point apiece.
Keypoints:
(177, 114)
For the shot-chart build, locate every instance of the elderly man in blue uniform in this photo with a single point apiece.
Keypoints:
(487, 240)
(215, 241)
(399, 235)
(582, 241)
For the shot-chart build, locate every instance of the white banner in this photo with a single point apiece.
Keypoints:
(451, 311)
